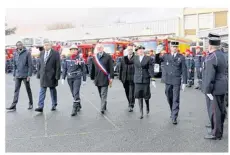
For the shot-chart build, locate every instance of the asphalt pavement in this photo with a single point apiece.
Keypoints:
(116, 131)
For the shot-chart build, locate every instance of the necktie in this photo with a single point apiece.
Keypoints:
(46, 56)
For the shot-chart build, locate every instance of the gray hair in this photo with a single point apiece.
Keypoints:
(216, 47)
(47, 42)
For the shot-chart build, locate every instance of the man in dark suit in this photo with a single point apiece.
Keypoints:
(215, 86)
(49, 71)
(174, 67)
(126, 75)
(22, 71)
(102, 73)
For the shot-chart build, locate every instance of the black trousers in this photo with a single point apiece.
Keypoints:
(190, 77)
(75, 85)
(217, 114)
(129, 91)
(18, 82)
(172, 93)
(199, 76)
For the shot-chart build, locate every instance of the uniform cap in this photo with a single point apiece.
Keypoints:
(214, 39)
(73, 47)
(174, 43)
(139, 47)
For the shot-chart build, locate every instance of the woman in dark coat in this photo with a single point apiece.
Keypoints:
(143, 74)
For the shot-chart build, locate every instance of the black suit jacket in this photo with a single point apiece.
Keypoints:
(215, 80)
(100, 79)
(49, 73)
(144, 70)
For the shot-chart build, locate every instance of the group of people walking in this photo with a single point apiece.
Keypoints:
(136, 72)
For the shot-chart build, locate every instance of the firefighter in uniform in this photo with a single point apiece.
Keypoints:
(215, 86)
(74, 69)
(224, 47)
(198, 66)
(190, 63)
(175, 67)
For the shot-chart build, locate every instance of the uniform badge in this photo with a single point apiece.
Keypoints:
(77, 62)
(179, 60)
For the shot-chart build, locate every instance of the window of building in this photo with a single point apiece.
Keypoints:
(221, 18)
(205, 21)
(190, 22)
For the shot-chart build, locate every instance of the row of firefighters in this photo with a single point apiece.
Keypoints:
(193, 61)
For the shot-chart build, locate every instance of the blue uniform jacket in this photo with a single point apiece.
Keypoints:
(215, 81)
(75, 68)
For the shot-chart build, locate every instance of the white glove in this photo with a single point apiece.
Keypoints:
(83, 83)
(210, 96)
(183, 87)
(62, 81)
(154, 84)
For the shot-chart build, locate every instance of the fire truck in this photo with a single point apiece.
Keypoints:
(111, 47)
(116, 50)
(9, 52)
(85, 49)
(160, 44)
(37, 42)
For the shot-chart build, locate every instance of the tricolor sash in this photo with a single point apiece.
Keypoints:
(101, 67)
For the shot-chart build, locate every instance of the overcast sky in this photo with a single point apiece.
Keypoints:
(37, 19)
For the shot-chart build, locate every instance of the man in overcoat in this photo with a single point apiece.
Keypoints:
(49, 71)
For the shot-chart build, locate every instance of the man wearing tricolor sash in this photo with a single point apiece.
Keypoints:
(102, 73)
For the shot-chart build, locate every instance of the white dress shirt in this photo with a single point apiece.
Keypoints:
(46, 54)
(174, 54)
(141, 57)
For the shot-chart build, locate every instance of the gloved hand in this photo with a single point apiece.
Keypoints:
(210, 96)
(154, 84)
(62, 81)
(183, 87)
(83, 83)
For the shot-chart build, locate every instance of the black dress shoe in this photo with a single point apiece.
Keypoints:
(102, 112)
(208, 126)
(147, 112)
(130, 109)
(39, 109)
(53, 108)
(141, 117)
(30, 107)
(74, 112)
(12, 108)
(211, 137)
(174, 121)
